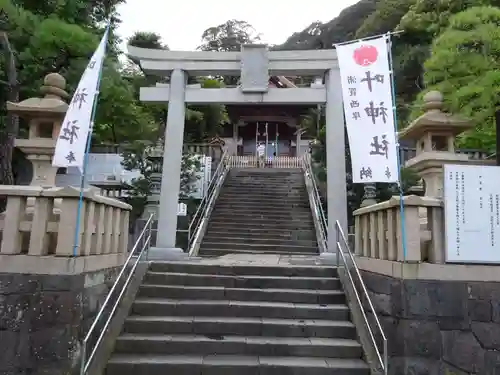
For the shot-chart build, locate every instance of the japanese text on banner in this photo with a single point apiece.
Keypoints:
(75, 128)
(368, 107)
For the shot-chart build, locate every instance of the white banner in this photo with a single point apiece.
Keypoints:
(368, 108)
(72, 140)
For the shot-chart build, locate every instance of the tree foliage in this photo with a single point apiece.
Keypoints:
(464, 65)
(228, 37)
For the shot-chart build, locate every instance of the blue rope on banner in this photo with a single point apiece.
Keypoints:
(86, 154)
(400, 184)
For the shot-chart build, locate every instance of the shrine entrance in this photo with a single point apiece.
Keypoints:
(254, 64)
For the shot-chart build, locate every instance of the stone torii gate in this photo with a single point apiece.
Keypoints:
(254, 64)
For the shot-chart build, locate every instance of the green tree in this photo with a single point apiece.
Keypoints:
(464, 65)
(385, 18)
(340, 29)
(137, 157)
(228, 37)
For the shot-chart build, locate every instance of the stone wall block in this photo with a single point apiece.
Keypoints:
(420, 338)
(495, 310)
(15, 312)
(51, 346)
(453, 323)
(422, 366)
(480, 310)
(9, 358)
(18, 284)
(487, 334)
(462, 350)
(427, 298)
(491, 363)
(60, 283)
(378, 283)
(447, 369)
(53, 309)
(483, 290)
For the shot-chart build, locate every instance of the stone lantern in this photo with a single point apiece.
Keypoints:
(434, 132)
(44, 117)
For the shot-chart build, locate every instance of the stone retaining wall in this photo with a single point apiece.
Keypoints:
(43, 319)
(438, 327)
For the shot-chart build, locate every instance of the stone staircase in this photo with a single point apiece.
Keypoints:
(266, 315)
(261, 211)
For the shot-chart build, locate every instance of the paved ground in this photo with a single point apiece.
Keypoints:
(262, 260)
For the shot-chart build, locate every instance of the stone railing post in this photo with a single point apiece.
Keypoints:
(379, 230)
(45, 230)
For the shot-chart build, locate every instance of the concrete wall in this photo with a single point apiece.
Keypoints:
(445, 327)
(43, 319)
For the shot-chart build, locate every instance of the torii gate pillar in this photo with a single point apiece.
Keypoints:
(335, 158)
(172, 159)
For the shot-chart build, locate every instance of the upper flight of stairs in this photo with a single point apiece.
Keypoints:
(261, 211)
(226, 319)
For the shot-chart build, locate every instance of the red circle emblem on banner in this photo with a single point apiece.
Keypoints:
(365, 55)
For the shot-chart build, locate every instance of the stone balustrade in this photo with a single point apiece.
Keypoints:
(378, 230)
(251, 161)
(42, 221)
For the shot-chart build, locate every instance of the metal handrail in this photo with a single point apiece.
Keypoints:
(140, 248)
(323, 221)
(206, 203)
(203, 206)
(341, 254)
(382, 357)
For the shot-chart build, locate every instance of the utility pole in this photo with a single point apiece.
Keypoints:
(9, 133)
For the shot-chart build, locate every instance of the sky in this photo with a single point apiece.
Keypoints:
(182, 22)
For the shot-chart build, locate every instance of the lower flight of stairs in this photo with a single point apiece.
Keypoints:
(261, 211)
(207, 319)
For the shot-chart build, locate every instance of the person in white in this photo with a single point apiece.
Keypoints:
(261, 150)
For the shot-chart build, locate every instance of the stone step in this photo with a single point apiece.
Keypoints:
(230, 238)
(251, 309)
(128, 364)
(270, 193)
(270, 205)
(249, 199)
(214, 252)
(263, 210)
(259, 247)
(281, 186)
(263, 199)
(242, 294)
(209, 325)
(244, 270)
(152, 344)
(260, 225)
(243, 281)
(289, 222)
(287, 235)
(304, 222)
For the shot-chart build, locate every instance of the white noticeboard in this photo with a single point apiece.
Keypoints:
(181, 209)
(472, 213)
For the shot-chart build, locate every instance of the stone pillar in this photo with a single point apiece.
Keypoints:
(435, 133)
(44, 116)
(335, 157)
(172, 157)
(234, 151)
(370, 193)
(298, 141)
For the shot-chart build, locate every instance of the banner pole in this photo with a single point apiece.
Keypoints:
(398, 148)
(370, 37)
(87, 149)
